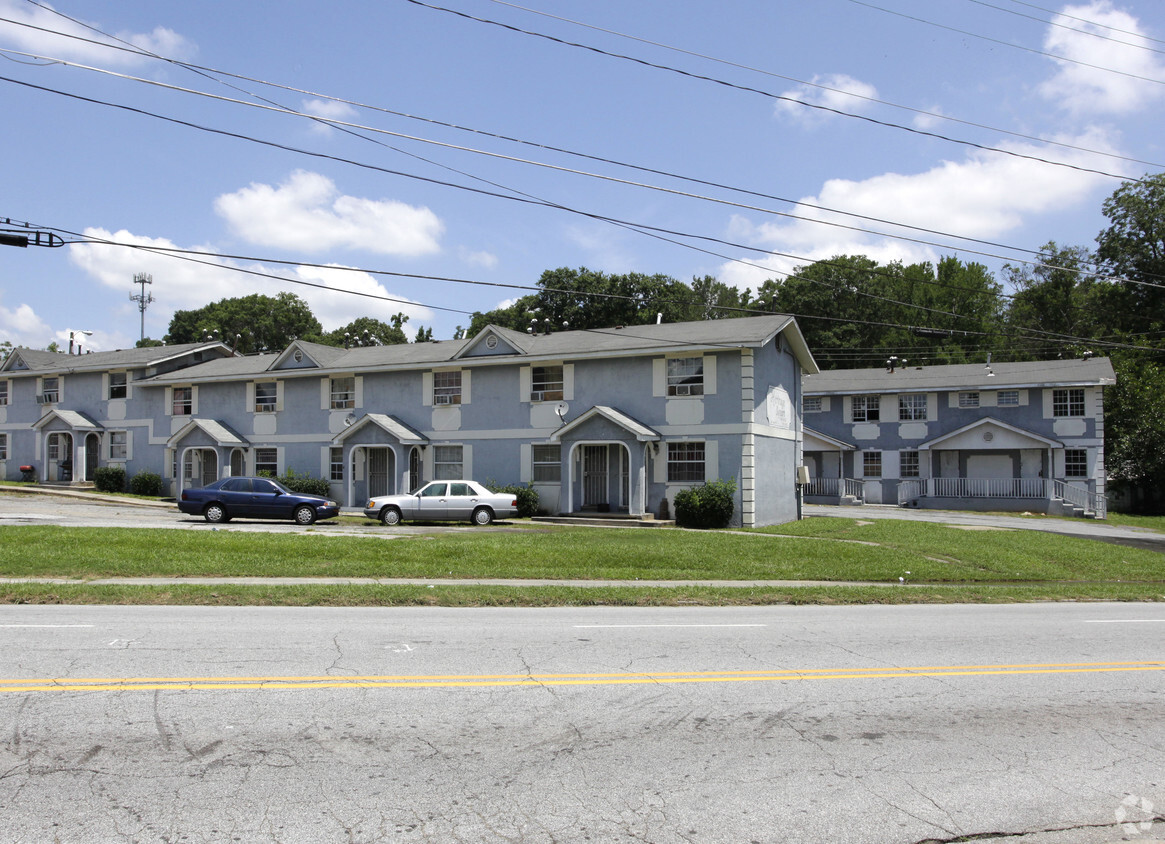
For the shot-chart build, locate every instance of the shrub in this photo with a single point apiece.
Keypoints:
(146, 483)
(305, 484)
(109, 479)
(707, 506)
(527, 497)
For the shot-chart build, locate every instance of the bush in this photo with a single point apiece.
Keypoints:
(707, 506)
(305, 484)
(109, 479)
(527, 497)
(146, 483)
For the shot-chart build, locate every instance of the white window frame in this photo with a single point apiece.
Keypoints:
(3, 446)
(547, 383)
(446, 389)
(687, 462)
(1068, 402)
(336, 463)
(267, 403)
(909, 464)
(546, 463)
(448, 462)
(969, 399)
(176, 406)
(343, 392)
(811, 404)
(1007, 398)
(912, 407)
(119, 450)
(122, 387)
(48, 396)
(867, 407)
(685, 377)
(1079, 460)
(261, 465)
(871, 464)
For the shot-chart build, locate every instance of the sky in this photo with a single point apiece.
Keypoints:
(435, 158)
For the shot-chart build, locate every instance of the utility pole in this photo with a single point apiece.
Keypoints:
(143, 299)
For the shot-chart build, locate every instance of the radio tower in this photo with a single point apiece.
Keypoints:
(143, 299)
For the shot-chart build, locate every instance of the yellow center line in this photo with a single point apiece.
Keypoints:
(74, 684)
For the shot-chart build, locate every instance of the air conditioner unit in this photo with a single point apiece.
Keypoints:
(536, 396)
(47, 398)
(264, 408)
(683, 390)
(445, 399)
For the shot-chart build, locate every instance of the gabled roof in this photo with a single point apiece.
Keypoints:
(393, 426)
(318, 354)
(990, 422)
(826, 440)
(971, 376)
(495, 340)
(640, 431)
(219, 433)
(75, 419)
(36, 360)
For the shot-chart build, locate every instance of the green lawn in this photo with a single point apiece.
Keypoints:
(945, 563)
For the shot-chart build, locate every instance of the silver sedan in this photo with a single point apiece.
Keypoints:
(444, 501)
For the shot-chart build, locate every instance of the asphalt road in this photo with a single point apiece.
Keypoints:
(776, 724)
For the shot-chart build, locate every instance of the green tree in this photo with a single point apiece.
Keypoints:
(147, 342)
(424, 335)
(257, 322)
(1133, 249)
(365, 330)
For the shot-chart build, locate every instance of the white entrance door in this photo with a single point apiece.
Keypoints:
(594, 475)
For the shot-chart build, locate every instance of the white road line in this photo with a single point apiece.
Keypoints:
(46, 625)
(1125, 621)
(625, 626)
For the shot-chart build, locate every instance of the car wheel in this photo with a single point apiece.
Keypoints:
(483, 516)
(215, 513)
(390, 516)
(305, 514)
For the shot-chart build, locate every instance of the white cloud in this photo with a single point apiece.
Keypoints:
(1085, 87)
(22, 327)
(68, 44)
(983, 196)
(836, 91)
(329, 110)
(308, 214)
(479, 258)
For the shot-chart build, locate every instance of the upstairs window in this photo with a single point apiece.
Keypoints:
(546, 384)
(182, 403)
(343, 394)
(912, 407)
(867, 408)
(811, 404)
(1008, 398)
(685, 376)
(968, 400)
(265, 396)
(447, 388)
(118, 385)
(685, 462)
(50, 390)
(3, 393)
(1068, 402)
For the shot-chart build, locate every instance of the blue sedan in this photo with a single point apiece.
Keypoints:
(255, 498)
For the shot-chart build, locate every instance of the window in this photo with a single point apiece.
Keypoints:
(336, 458)
(1008, 398)
(183, 401)
(685, 462)
(866, 408)
(546, 384)
(872, 464)
(118, 448)
(1069, 402)
(1076, 463)
(54, 447)
(811, 404)
(343, 393)
(547, 464)
(460, 489)
(267, 460)
(447, 463)
(265, 394)
(50, 392)
(118, 385)
(908, 464)
(912, 407)
(447, 389)
(3, 446)
(968, 400)
(434, 490)
(3, 393)
(685, 376)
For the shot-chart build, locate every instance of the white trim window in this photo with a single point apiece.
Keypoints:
(267, 396)
(182, 401)
(811, 404)
(685, 376)
(448, 462)
(1007, 398)
(343, 392)
(685, 462)
(1068, 401)
(547, 464)
(969, 400)
(336, 463)
(3, 446)
(447, 388)
(118, 445)
(3, 392)
(50, 390)
(546, 383)
(118, 385)
(908, 464)
(912, 407)
(267, 460)
(871, 464)
(867, 408)
(1075, 463)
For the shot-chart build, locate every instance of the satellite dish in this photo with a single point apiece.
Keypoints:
(349, 419)
(562, 408)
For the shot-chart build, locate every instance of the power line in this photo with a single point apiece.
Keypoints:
(1064, 14)
(1065, 26)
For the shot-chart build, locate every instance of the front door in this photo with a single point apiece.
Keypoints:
(379, 471)
(595, 476)
(92, 450)
(60, 457)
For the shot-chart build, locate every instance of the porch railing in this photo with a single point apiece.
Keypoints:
(839, 487)
(1081, 497)
(1014, 488)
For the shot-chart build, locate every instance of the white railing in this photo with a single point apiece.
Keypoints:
(1081, 497)
(909, 490)
(835, 487)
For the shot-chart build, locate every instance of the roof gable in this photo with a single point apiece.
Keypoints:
(304, 355)
(990, 433)
(618, 418)
(390, 424)
(494, 340)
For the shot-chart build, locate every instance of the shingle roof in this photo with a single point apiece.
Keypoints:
(994, 376)
(42, 361)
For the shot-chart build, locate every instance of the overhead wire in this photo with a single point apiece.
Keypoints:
(1064, 14)
(1057, 25)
